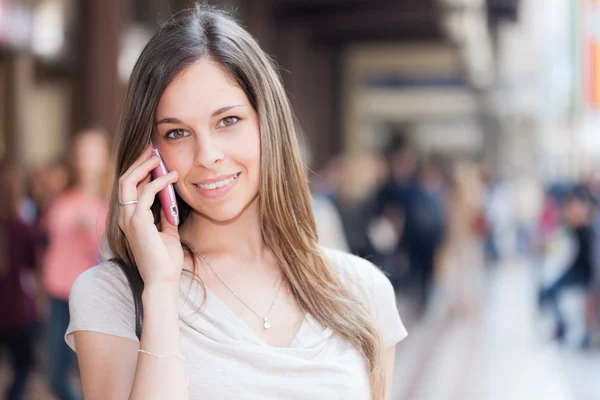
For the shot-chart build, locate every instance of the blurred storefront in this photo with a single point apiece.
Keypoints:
(563, 38)
(350, 68)
(37, 65)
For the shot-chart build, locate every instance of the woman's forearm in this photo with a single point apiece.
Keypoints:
(160, 378)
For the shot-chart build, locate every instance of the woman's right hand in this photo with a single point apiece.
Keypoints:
(158, 255)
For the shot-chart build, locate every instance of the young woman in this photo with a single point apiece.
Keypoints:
(74, 222)
(239, 298)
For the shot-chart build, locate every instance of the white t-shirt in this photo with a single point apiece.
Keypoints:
(225, 359)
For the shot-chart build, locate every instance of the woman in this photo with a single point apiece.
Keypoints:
(239, 298)
(17, 288)
(462, 257)
(74, 222)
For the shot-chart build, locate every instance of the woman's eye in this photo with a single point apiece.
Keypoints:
(176, 134)
(228, 121)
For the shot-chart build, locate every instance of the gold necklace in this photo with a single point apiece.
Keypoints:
(266, 322)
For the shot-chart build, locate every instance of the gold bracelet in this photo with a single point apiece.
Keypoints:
(161, 356)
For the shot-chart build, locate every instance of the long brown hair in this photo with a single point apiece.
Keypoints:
(287, 222)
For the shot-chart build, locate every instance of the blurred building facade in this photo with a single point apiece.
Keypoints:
(357, 71)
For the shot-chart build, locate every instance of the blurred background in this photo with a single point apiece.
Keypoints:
(454, 143)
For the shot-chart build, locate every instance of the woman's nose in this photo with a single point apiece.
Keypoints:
(207, 154)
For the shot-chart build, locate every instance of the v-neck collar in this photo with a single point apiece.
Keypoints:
(309, 337)
(251, 334)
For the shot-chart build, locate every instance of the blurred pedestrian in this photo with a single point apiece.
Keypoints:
(44, 184)
(463, 256)
(330, 230)
(17, 284)
(393, 202)
(593, 187)
(578, 274)
(429, 216)
(329, 223)
(357, 182)
(74, 223)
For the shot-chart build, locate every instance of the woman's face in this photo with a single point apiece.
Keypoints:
(91, 158)
(208, 132)
(577, 212)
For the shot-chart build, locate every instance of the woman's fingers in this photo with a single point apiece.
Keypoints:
(132, 179)
(149, 192)
(166, 226)
(128, 185)
(126, 177)
(145, 156)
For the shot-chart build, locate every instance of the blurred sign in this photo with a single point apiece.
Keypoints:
(133, 42)
(38, 29)
(458, 134)
(4, 22)
(414, 82)
(48, 38)
(591, 53)
(16, 25)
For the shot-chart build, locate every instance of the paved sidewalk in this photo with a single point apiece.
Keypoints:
(502, 356)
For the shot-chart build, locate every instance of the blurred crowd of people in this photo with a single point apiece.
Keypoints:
(433, 224)
(422, 219)
(51, 219)
(437, 225)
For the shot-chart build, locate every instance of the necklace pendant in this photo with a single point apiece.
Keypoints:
(267, 324)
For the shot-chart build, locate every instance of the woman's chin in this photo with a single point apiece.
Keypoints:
(223, 215)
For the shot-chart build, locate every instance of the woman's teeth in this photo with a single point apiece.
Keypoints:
(216, 185)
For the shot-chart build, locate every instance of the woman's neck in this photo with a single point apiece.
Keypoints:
(90, 186)
(240, 238)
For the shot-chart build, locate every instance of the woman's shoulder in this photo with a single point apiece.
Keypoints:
(348, 263)
(355, 271)
(101, 301)
(105, 282)
(106, 271)
(370, 285)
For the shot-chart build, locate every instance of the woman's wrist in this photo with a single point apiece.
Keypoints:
(163, 291)
(163, 280)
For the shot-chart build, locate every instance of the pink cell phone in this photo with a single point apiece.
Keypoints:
(166, 196)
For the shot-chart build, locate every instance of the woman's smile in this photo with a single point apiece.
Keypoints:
(219, 187)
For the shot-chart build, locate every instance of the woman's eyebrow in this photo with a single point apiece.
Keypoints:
(224, 109)
(168, 120)
(171, 120)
